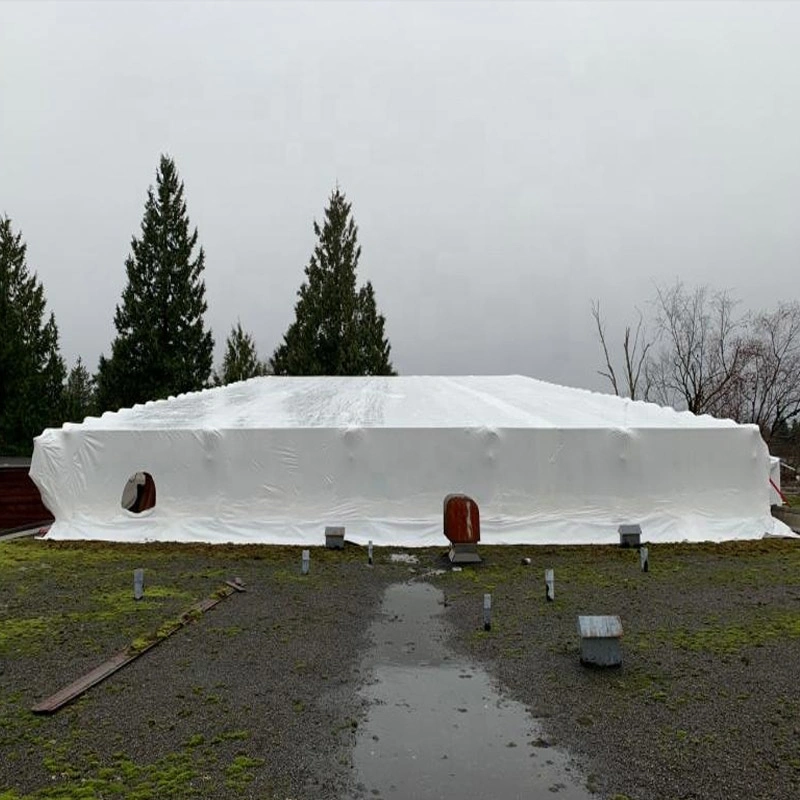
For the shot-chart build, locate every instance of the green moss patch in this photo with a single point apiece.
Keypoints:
(735, 637)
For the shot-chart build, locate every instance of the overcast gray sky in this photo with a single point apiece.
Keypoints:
(506, 163)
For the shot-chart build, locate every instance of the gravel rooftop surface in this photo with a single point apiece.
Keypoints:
(258, 697)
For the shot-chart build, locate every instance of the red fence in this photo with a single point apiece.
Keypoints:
(20, 501)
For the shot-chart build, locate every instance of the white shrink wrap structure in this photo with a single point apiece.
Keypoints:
(275, 460)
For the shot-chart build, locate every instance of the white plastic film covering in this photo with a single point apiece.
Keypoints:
(275, 460)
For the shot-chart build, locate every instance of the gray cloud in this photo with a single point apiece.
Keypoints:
(506, 163)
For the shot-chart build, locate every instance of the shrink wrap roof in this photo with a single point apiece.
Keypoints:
(275, 460)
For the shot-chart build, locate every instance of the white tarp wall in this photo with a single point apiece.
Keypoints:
(275, 460)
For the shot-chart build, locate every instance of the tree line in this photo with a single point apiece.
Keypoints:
(162, 345)
(695, 350)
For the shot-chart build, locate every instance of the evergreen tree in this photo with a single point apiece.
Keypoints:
(162, 346)
(373, 352)
(241, 358)
(337, 329)
(31, 369)
(79, 393)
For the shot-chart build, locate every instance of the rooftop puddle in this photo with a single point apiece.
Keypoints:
(437, 728)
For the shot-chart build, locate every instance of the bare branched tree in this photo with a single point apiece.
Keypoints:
(769, 391)
(711, 360)
(635, 350)
(702, 349)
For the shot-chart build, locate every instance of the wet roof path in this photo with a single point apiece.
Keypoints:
(437, 726)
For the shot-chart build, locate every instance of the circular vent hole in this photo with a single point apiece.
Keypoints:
(139, 493)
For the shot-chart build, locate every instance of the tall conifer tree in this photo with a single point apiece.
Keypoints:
(337, 328)
(32, 371)
(78, 393)
(162, 346)
(241, 358)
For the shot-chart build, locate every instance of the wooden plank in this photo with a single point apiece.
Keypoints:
(606, 627)
(116, 662)
(78, 687)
